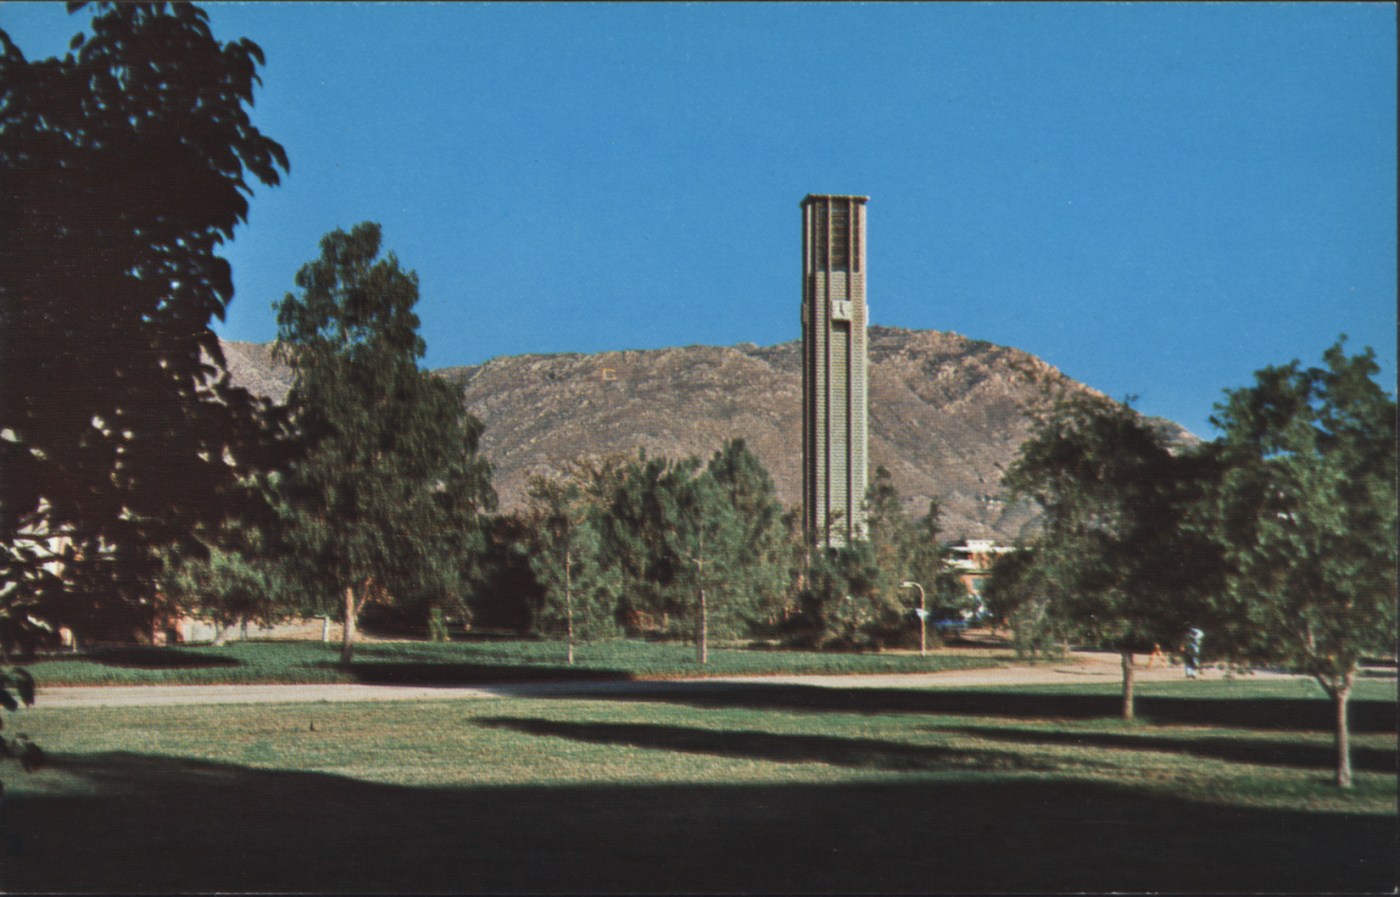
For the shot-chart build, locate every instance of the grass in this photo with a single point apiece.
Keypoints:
(464, 662)
(1221, 786)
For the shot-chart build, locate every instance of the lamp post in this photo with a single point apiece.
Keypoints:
(923, 616)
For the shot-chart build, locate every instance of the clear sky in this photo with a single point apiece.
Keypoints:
(1157, 199)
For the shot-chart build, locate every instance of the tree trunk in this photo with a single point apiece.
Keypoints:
(1341, 694)
(347, 641)
(569, 605)
(220, 635)
(703, 641)
(325, 627)
(1128, 708)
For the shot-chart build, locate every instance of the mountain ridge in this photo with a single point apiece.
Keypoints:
(946, 413)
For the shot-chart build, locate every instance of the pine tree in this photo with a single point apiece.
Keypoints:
(705, 536)
(580, 588)
(760, 573)
(636, 543)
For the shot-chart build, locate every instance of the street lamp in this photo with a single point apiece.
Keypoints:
(923, 616)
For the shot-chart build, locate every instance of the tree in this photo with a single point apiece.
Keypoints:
(1307, 516)
(759, 574)
(235, 579)
(836, 607)
(891, 541)
(16, 688)
(928, 558)
(706, 537)
(1016, 593)
(1117, 555)
(902, 550)
(507, 593)
(388, 501)
(637, 544)
(680, 534)
(568, 561)
(674, 514)
(127, 163)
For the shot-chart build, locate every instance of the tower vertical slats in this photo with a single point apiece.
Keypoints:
(834, 368)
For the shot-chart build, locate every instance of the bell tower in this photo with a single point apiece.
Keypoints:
(834, 373)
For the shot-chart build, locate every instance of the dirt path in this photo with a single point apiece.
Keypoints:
(1081, 667)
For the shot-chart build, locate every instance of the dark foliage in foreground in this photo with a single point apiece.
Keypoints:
(126, 164)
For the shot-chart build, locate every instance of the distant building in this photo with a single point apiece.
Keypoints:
(834, 374)
(972, 562)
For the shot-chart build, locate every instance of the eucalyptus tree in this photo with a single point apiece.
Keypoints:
(127, 163)
(1307, 516)
(389, 500)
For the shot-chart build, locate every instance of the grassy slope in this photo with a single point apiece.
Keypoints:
(1222, 786)
(312, 662)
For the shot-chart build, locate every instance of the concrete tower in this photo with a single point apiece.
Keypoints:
(834, 378)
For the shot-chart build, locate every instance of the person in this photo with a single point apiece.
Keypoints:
(1156, 655)
(1192, 651)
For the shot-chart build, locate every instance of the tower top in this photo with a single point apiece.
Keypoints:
(817, 197)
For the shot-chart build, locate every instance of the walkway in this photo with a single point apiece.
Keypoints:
(1081, 667)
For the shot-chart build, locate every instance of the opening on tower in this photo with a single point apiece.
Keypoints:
(840, 235)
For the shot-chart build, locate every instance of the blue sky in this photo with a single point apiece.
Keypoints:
(1157, 199)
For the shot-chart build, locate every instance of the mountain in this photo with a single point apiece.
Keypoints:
(253, 367)
(945, 413)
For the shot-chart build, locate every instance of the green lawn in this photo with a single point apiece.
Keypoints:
(1221, 786)
(464, 662)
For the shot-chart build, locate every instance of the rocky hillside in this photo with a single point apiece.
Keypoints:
(252, 366)
(945, 413)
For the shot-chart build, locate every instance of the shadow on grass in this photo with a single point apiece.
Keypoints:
(143, 824)
(855, 753)
(1256, 751)
(1295, 714)
(411, 672)
(142, 658)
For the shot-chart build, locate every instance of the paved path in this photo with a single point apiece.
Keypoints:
(1082, 667)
